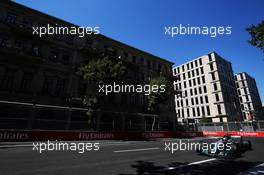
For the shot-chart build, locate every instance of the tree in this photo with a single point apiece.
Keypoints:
(156, 98)
(99, 71)
(102, 70)
(257, 35)
(205, 120)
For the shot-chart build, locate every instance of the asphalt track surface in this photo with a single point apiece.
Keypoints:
(124, 158)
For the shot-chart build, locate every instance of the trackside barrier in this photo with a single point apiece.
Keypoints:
(44, 135)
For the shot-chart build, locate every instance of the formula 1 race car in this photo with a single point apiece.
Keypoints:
(224, 147)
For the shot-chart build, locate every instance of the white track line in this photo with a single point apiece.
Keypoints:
(14, 146)
(193, 163)
(134, 150)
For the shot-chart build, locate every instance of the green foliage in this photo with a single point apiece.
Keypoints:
(257, 35)
(156, 98)
(99, 70)
(102, 70)
(204, 120)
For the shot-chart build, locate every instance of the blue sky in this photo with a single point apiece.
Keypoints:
(141, 23)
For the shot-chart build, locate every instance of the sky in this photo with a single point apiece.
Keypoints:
(141, 23)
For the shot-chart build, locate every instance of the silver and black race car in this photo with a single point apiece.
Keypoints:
(224, 147)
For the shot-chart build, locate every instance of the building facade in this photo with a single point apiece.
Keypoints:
(42, 71)
(249, 98)
(207, 90)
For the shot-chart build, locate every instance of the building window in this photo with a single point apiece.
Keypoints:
(208, 110)
(193, 73)
(195, 91)
(8, 79)
(11, 18)
(206, 99)
(243, 83)
(210, 57)
(189, 74)
(48, 85)
(193, 111)
(244, 115)
(198, 111)
(215, 86)
(183, 68)
(200, 90)
(26, 82)
(134, 60)
(148, 64)
(241, 76)
(174, 70)
(196, 101)
(205, 89)
(201, 70)
(242, 107)
(213, 76)
(192, 101)
(197, 71)
(187, 102)
(188, 66)
(203, 112)
(192, 65)
(188, 112)
(240, 99)
(198, 81)
(194, 82)
(245, 91)
(247, 99)
(26, 23)
(211, 67)
(219, 109)
(203, 79)
(185, 93)
(59, 90)
(216, 97)
(159, 67)
(200, 61)
(196, 63)
(201, 100)
(249, 106)
(191, 92)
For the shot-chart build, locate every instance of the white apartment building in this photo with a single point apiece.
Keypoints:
(207, 90)
(249, 98)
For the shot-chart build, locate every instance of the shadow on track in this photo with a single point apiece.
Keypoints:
(218, 167)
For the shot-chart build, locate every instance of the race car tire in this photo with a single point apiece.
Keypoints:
(247, 144)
